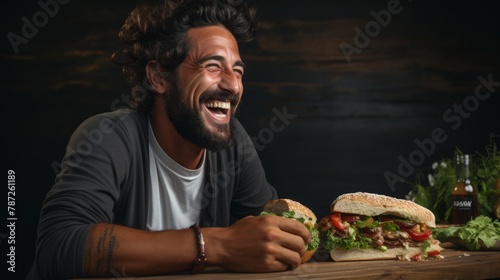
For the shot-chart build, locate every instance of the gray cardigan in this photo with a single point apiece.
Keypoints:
(103, 178)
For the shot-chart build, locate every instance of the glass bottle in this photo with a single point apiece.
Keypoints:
(464, 194)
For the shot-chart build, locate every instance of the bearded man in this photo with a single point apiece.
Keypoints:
(175, 183)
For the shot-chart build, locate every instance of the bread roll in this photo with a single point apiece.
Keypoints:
(369, 204)
(400, 253)
(278, 206)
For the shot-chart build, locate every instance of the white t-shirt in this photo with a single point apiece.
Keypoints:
(175, 191)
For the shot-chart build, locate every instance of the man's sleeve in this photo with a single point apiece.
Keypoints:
(253, 190)
(92, 171)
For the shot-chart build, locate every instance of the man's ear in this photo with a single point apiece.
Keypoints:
(156, 79)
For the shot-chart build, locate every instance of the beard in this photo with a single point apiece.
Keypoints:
(189, 124)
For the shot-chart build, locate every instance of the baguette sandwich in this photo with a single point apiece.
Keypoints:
(288, 208)
(366, 226)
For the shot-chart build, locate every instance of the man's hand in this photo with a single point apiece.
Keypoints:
(254, 244)
(257, 244)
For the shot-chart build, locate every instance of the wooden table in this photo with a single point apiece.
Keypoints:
(457, 264)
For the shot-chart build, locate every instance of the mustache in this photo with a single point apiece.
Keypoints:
(219, 95)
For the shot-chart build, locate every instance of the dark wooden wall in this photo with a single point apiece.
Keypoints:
(349, 123)
(354, 120)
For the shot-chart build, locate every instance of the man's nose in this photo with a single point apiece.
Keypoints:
(230, 82)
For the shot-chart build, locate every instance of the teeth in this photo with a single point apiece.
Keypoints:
(221, 105)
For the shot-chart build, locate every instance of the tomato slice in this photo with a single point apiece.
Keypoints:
(415, 257)
(433, 253)
(419, 236)
(337, 221)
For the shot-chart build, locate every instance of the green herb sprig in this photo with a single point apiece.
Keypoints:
(434, 190)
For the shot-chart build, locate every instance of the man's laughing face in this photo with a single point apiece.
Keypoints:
(207, 88)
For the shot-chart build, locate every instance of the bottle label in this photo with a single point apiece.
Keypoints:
(464, 208)
(462, 204)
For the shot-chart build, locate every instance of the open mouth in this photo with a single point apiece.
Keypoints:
(218, 110)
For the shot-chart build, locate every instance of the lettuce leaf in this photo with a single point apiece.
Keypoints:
(353, 241)
(314, 244)
(481, 229)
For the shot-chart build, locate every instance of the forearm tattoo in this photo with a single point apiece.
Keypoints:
(99, 251)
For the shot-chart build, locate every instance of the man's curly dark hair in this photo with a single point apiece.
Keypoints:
(158, 31)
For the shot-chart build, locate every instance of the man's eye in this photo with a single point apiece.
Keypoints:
(213, 68)
(239, 71)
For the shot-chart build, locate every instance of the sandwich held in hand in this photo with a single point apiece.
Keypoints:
(288, 208)
(366, 226)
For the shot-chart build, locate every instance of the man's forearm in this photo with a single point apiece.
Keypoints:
(115, 249)
(253, 244)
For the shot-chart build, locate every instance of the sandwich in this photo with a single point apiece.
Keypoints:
(366, 226)
(288, 208)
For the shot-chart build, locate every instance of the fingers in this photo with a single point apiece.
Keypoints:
(291, 241)
(279, 265)
(295, 228)
(291, 238)
(288, 258)
(278, 258)
(264, 243)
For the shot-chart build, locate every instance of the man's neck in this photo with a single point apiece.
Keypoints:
(177, 147)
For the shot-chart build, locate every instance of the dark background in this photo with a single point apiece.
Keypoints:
(352, 120)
